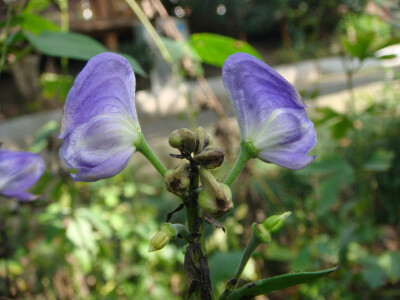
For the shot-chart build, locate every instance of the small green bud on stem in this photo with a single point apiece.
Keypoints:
(177, 180)
(168, 232)
(203, 139)
(211, 157)
(183, 139)
(161, 238)
(269, 226)
(215, 197)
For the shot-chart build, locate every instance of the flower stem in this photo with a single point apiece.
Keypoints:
(144, 148)
(150, 29)
(247, 152)
(251, 246)
(196, 259)
(5, 45)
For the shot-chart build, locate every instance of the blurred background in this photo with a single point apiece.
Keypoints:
(90, 241)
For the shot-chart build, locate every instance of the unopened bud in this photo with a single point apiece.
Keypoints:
(177, 180)
(183, 139)
(274, 223)
(161, 238)
(203, 139)
(269, 226)
(159, 241)
(215, 197)
(211, 157)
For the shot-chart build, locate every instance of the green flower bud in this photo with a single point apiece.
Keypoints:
(269, 226)
(183, 139)
(177, 180)
(211, 157)
(215, 198)
(159, 241)
(274, 223)
(161, 238)
(203, 139)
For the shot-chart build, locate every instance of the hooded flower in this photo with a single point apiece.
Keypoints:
(269, 111)
(18, 172)
(100, 126)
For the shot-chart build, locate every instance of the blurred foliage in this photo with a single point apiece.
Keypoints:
(90, 241)
(361, 36)
(214, 49)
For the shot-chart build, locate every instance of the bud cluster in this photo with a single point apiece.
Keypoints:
(215, 198)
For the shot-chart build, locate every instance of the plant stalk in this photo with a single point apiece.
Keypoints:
(196, 259)
(5, 45)
(246, 153)
(144, 148)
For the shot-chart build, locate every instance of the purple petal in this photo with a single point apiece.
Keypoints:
(105, 85)
(101, 147)
(100, 125)
(256, 90)
(18, 172)
(286, 159)
(269, 111)
(20, 195)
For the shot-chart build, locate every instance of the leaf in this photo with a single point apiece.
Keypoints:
(73, 45)
(272, 284)
(34, 23)
(213, 49)
(380, 161)
(388, 56)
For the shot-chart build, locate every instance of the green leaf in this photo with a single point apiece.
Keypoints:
(34, 23)
(388, 56)
(277, 283)
(73, 45)
(380, 161)
(213, 49)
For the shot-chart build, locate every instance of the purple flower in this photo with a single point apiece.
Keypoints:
(100, 127)
(269, 111)
(18, 172)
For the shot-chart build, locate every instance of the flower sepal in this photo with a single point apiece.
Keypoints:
(270, 225)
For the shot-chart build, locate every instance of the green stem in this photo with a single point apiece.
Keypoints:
(150, 29)
(63, 5)
(247, 152)
(5, 45)
(145, 149)
(167, 57)
(251, 246)
(196, 253)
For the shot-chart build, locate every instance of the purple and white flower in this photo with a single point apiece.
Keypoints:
(18, 172)
(269, 111)
(100, 126)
